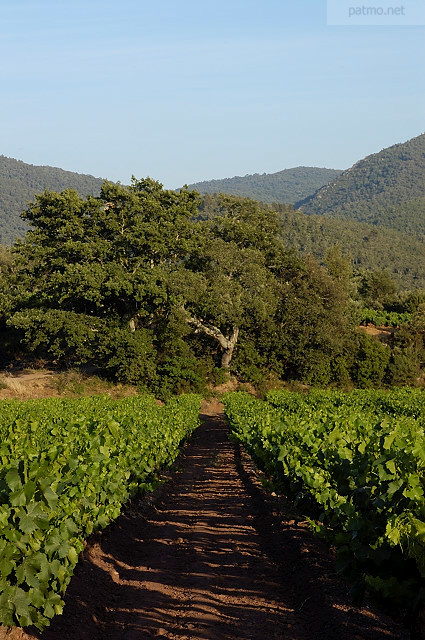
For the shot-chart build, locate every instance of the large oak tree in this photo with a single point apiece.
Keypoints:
(133, 282)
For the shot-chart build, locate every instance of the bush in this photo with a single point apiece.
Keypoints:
(371, 359)
(248, 363)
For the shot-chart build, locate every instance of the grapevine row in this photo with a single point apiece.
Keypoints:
(355, 464)
(66, 468)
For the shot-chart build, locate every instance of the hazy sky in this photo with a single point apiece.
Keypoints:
(185, 91)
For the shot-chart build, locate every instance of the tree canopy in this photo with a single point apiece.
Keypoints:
(137, 284)
(133, 282)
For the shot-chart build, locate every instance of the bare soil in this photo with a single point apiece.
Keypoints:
(210, 556)
(33, 384)
(384, 334)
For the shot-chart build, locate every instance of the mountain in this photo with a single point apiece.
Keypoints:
(385, 189)
(369, 247)
(288, 186)
(19, 182)
(375, 211)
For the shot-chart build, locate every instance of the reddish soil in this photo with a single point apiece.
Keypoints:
(211, 556)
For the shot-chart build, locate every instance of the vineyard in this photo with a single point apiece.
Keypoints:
(355, 463)
(351, 463)
(385, 318)
(67, 467)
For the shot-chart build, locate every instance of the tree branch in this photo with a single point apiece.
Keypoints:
(227, 344)
(209, 330)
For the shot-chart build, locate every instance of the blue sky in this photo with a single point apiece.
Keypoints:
(186, 91)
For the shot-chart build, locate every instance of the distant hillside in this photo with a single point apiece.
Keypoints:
(370, 247)
(385, 188)
(288, 186)
(19, 182)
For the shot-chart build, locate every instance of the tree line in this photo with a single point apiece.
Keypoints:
(136, 283)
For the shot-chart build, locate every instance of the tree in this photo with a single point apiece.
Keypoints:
(370, 361)
(292, 312)
(313, 323)
(228, 277)
(232, 283)
(135, 283)
(93, 272)
(127, 280)
(340, 267)
(377, 288)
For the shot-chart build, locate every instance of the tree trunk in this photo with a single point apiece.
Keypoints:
(228, 352)
(227, 344)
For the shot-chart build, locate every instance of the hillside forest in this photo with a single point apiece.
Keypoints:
(139, 284)
(289, 186)
(19, 182)
(385, 188)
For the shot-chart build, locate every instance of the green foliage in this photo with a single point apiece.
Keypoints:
(417, 322)
(67, 469)
(121, 281)
(369, 247)
(405, 365)
(249, 364)
(19, 182)
(58, 333)
(91, 280)
(218, 376)
(385, 189)
(179, 371)
(135, 284)
(384, 318)
(413, 300)
(370, 361)
(129, 357)
(340, 267)
(355, 463)
(289, 185)
(377, 288)
(314, 325)
(407, 356)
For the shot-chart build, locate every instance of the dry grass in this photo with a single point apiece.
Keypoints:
(39, 383)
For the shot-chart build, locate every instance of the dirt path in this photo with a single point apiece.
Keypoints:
(210, 559)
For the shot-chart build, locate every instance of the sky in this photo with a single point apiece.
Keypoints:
(184, 91)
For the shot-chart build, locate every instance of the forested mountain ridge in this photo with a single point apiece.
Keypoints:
(287, 186)
(385, 189)
(368, 246)
(19, 182)
(384, 231)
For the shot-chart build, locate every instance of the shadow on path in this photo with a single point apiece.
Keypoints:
(209, 559)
